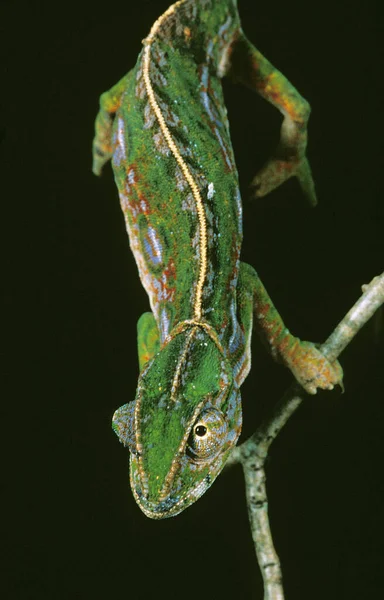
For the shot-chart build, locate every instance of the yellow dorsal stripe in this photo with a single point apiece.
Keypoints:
(160, 20)
(182, 164)
(180, 364)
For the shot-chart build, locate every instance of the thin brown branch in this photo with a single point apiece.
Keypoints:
(252, 453)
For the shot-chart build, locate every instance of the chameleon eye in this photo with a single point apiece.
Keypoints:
(207, 435)
(200, 430)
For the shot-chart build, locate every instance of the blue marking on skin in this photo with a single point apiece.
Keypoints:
(210, 49)
(131, 176)
(235, 343)
(117, 156)
(224, 27)
(236, 336)
(227, 159)
(210, 109)
(120, 136)
(239, 367)
(204, 76)
(119, 143)
(205, 98)
(164, 324)
(156, 244)
(239, 206)
(233, 402)
(155, 259)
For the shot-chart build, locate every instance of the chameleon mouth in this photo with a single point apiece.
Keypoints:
(170, 506)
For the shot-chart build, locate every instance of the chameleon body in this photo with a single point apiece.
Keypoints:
(165, 127)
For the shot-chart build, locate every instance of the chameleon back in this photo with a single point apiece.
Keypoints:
(175, 170)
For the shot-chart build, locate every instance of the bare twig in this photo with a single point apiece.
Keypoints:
(253, 453)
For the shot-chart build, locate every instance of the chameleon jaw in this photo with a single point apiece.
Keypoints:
(171, 505)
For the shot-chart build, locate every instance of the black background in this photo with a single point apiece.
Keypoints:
(72, 296)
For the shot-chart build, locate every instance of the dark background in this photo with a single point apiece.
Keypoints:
(72, 298)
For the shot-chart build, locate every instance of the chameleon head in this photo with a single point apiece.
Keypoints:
(181, 427)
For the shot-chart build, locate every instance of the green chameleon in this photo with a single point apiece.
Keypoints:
(165, 127)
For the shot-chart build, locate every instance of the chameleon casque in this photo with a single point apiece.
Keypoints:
(165, 127)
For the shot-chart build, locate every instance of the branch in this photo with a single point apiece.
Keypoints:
(253, 453)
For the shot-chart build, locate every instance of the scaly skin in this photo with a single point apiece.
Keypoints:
(165, 127)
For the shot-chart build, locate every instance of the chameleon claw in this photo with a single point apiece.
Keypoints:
(277, 171)
(311, 369)
(304, 176)
(311, 390)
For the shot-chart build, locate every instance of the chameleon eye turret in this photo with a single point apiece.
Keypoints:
(123, 424)
(165, 127)
(208, 435)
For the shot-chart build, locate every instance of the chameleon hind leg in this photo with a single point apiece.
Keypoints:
(148, 338)
(310, 368)
(249, 67)
(102, 143)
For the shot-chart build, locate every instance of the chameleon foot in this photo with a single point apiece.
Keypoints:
(311, 369)
(276, 171)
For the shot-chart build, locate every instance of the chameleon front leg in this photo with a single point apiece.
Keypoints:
(102, 143)
(148, 339)
(248, 66)
(310, 368)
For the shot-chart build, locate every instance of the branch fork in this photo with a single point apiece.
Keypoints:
(252, 454)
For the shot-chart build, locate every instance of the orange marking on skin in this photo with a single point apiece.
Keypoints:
(144, 205)
(170, 272)
(263, 310)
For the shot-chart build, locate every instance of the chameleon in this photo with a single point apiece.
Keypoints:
(164, 126)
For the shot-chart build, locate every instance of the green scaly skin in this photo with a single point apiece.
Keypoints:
(165, 127)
